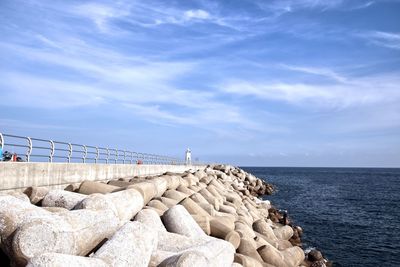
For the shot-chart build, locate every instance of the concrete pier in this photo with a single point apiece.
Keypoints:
(20, 175)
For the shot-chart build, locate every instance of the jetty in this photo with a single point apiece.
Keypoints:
(160, 212)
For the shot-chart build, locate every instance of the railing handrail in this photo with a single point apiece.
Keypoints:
(85, 152)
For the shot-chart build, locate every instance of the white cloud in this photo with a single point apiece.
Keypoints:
(197, 14)
(316, 71)
(145, 87)
(385, 39)
(360, 91)
(100, 14)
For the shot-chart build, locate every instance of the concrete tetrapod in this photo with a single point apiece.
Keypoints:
(285, 232)
(290, 257)
(155, 203)
(75, 232)
(90, 187)
(174, 194)
(131, 245)
(178, 220)
(173, 181)
(15, 212)
(150, 218)
(169, 202)
(186, 259)
(244, 229)
(125, 204)
(203, 222)
(198, 198)
(193, 208)
(36, 194)
(51, 259)
(247, 261)
(221, 228)
(210, 198)
(161, 185)
(248, 247)
(262, 227)
(62, 198)
(218, 252)
(185, 190)
(147, 189)
(17, 194)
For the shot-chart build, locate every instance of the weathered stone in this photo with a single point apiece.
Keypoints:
(131, 245)
(62, 199)
(36, 194)
(75, 232)
(314, 255)
(51, 259)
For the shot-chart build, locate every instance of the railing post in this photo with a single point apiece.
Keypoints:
(116, 156)
(97, 154)
(1, 141)
(84, 153)
(108, 154)
(131, 160)
(52, 149)
(29, 151)
(124, 157)
(69, 152)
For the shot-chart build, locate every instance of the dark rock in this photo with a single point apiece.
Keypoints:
(318, 264)
(315, 255)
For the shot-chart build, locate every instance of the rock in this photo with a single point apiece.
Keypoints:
(318, 264)
(36, 194)
(314, 255)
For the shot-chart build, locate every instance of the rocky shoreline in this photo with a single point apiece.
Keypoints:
(210, 217)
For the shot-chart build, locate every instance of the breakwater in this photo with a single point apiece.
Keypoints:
(208, 217)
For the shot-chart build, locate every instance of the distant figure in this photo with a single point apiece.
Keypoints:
(1, 154)
(188, 157)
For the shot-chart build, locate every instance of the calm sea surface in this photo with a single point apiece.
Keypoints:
(351, 214)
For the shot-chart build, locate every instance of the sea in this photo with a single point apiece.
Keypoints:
(352, 215)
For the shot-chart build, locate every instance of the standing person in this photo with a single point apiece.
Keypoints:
(1, 154)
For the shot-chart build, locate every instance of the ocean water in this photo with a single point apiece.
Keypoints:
(351, 214)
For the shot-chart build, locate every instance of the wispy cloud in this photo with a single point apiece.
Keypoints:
(316, 71)
(101, 14)
(258, 73)
(144, 87)
(146, 15)
(384, 39)
(348, 92)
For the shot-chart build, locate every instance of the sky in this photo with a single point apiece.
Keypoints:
(251, 83)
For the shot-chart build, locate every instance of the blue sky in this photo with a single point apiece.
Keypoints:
(267, 83)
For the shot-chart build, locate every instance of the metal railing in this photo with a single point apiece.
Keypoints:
(62, 151)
